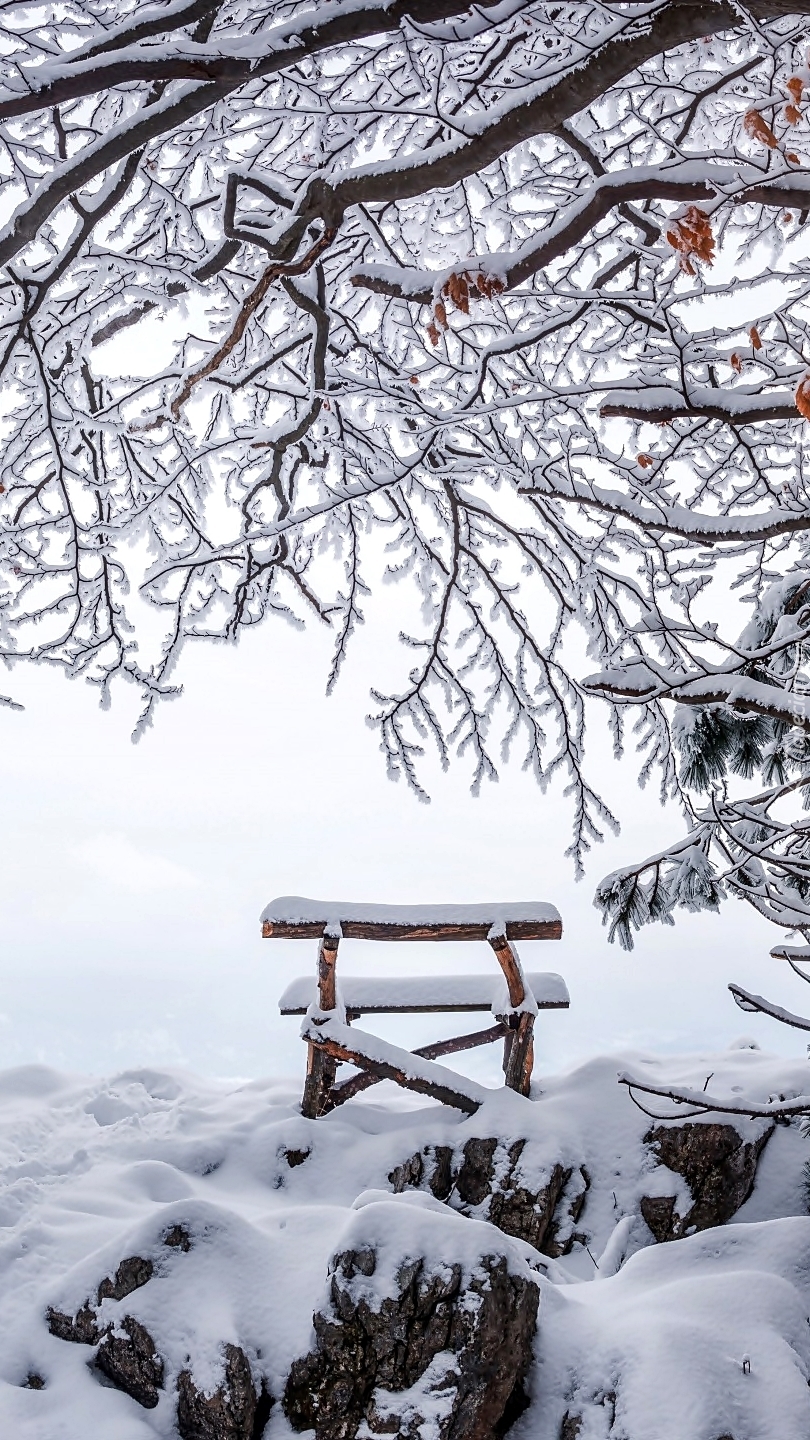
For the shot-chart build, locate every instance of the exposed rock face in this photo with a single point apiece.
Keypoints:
(128, 1357)
(571, 1426)
(126, 1351)
(295, 1157)
(434, 1346)
(719, 1167)
(235, 1411)
(80, 1328)
(130, 1275)
(545, 1218)
(131, 1362)
(178, 1238)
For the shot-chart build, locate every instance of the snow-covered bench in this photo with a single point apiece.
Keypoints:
(513, 998)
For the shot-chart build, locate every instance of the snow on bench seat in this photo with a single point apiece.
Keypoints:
(293, 917)
(390, 1062)
(412, 994)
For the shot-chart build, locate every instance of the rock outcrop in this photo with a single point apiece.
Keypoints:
(236, 1410)
(130, 1276)
(126, 1351)
(130, 1361)
(485, 1178)
(126, 1354)
(438, 1342)
(80, 1329)
(719, 1167)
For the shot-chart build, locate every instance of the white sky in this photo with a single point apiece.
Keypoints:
(132, 877)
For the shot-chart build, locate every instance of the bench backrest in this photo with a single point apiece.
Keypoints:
(293, 917)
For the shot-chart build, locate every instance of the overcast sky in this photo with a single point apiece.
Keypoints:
(133, 876)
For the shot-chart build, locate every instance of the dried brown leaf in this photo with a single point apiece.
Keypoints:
(457, 289)
(692, 235)
(795, 86)
(792, 114)
(645, 461)
(803, 397)
(755, 338)
(757, 128)
(489, 285)
(736, 363)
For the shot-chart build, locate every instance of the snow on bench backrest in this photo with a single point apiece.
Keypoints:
(370, 995)
(293, 917)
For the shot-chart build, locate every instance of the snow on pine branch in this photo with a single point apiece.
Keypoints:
(322, 296)
(747, 713)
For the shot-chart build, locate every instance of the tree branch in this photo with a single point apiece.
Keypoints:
(757, 1004)
(675, 182)
(656, 516)
(702, 1104)
(285, 45)
(485, 141)
(249, 306)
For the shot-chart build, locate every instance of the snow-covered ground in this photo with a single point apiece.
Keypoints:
(644, 1341)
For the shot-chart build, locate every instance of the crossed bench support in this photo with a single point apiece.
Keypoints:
(332, 1039)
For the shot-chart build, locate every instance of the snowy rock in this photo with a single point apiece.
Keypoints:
(83, 1328)
(130, 1275)
(571, 1426)
(234, 1411)
(486, 1180)
(295, 1158)
(198, 1184)
(80, 1328)
(126, 1353)
(719, 1166)
(128, 1358)
(178, 1238)
(427, 1332)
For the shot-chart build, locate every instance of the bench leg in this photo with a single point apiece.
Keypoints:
(518, 1056)
(321, 1073)
(518, 1050)
(321, 1068)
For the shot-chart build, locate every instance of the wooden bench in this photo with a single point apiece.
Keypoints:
(513, 997)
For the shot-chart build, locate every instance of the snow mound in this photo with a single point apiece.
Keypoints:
(647, 1339)
(703, 1338)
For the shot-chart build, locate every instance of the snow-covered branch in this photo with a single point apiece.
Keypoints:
(301, 301)
(682, 183)
(701, 1103)
(757, 1004)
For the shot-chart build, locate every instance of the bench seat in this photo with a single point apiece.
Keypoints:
(415, 994)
